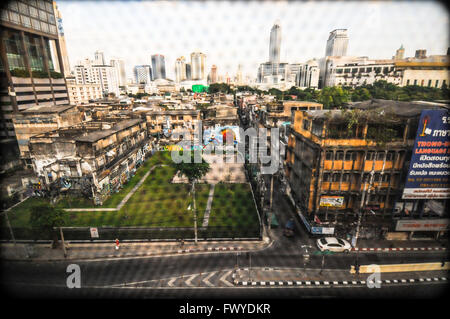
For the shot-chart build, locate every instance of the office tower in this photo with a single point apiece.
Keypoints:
(213, 74)
(158, 66)
(198, 65)
(119, 65)
(31, 72)
(421, 54)
(188, 71)
(92, 72)
(99, 58)
(239, 76)
(180, 69)
(143, 74)
(400, 53)
(337, 43)
(62, 41)
(275, 43)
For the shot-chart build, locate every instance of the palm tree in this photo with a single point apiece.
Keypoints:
(193, 171)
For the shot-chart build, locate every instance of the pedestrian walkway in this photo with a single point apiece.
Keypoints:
(75, 251)
(364, 245)
(329, 277)
(208, 206)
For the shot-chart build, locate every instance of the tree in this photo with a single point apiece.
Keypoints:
(44, 218)
(193, 171)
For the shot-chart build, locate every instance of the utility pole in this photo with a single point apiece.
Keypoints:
(271, 199)
(363, 197)
(63, 243)
(10, 229)
(195, 212)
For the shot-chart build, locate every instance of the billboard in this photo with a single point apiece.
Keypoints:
(332, 201)
(422, 225)
(428, 175)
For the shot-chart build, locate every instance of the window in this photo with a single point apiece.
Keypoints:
(14, 50)
(437, 84)
(390, 156)
(35, 53)
(415, 82)
(13, 5)
(49, 6)
(385, 178)
(42, 15)
(407, 82)
(346, 178)
(14, 17)
(41, 5)
(306, 125)
(443, 83)
(339, 71)
(354, 70)
(35, 24)
(44, 26)
(329, 156)
(326, 177)
(346, 70)
(4, 15)
(336, 177)
(370, 156)
(380, 156)
(23, 8)
(51, 18)
(339, 156)
(33, 12)
(369, 70)
(429, 83)
(350, 156)
(340, 241)
(361, 70)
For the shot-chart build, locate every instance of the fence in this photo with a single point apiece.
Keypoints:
(138, 233)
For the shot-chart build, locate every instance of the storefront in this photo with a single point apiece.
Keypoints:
(424, 228)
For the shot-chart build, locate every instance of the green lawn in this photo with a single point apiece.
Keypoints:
(157, 203)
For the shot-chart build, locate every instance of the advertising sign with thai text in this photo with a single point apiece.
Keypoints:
(428, 175)
(332, 201)
(422, 225)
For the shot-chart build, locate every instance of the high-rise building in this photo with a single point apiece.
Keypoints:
(180, 69)
(275, 43)
(31, 72)
(188, 71)
(143, 74)
(213, 74)
(239, 79)
(198, 65)
(421, 54)
(158, 66)
(99, 58)
(400, 53)
(337, 43)
(105, 75)
(62, 41)
(119, 65)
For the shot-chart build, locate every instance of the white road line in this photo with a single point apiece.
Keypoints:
(170, 283)
(222, 279)
(188, 282)
(206, 280)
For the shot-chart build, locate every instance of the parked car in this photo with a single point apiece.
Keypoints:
(333, 244)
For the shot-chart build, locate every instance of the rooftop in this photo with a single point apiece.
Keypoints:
(98, 135)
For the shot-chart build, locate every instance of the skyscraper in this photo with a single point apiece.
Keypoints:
(275, 43)
(158, 66)
(337, 43)
(400, 53)
(180, 69)
(143, 74)
(99, 58)
(188, 71)
(198, 65)
(119, 65)
(213, 74)
(62, 41)
(31, 73)
(239, 76)
(94, 72)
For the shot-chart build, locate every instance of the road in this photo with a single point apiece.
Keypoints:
(172, 276)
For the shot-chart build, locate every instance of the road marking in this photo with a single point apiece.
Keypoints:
(188, 282)
(206, 280)
(170, 283)
(226, 282)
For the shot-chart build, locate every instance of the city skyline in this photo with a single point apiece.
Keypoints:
(238, 33)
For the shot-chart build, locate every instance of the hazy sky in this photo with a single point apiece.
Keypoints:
(232, 33)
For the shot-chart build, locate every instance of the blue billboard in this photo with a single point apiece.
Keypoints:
(428, 175)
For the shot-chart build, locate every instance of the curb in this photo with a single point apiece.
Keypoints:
(401, 249)
(336, 283)
(209, 249)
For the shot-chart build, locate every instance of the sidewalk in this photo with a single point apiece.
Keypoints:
(300, 276)
(399, 245)
(75, 251)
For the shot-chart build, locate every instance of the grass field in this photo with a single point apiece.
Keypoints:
(156, 203)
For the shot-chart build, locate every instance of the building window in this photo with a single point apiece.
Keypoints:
(35, 23)
(390, 156)
(407, 82)
(429, 83)
(369, 70)
(350, 156)
(415, 82)
(42, 15)
(14, 51)
(23, 8)
(14, 17)
(33, 12)
(339, 156)
(306, 125)
(437, 84)
(370, 156)
(346, 178)
(41, 5)
(380, 156)
(13, 5)
(329, 156)
(336, 177)
(48, 6)
(385, 178)
(326, 177)
(443, 83)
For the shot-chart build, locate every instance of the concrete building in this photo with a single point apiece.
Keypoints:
(31, 69)
(432, 71)
(399, 54)
(308, 75)
(275, 43)
(188, 71)
(334, 170)
(92, 158)
(421, 54)
(180, 69)
(40, 119)
(143, 74)
(99, 58)
(119, 65)
(213, 74)
(82, 93)
(158, 66)
(198, 65)
(337, 43)
(87, 72)
(62, 41)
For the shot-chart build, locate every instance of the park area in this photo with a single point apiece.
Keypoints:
(155, 208)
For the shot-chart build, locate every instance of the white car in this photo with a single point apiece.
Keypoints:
(333, 244)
